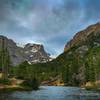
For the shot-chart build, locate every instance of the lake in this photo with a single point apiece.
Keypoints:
(52, 93)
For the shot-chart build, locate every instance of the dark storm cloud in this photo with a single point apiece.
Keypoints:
(51, 22)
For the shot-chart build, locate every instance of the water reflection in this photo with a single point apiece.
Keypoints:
(53, 93)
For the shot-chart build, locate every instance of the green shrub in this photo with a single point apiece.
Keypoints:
(5, 82)
(34, 84)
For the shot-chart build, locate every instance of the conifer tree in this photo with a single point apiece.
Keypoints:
(5, 59)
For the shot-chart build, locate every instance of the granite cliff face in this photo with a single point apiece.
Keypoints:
(33, 53)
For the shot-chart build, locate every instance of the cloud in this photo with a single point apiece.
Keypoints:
(92, 10)
(50, 22)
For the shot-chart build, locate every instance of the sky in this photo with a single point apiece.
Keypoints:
(49, 22)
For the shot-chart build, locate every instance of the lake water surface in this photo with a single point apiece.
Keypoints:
(53, 93)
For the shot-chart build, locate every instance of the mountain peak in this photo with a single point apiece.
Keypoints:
(33, 53)
(83, 36)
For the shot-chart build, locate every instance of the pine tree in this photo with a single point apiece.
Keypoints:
(5, 59)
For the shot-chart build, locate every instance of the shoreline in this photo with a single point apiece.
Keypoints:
(19, 88)
(9, 88)
(93, 86)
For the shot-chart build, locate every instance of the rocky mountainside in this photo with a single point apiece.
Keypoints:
(84, 36)
(33, 53)
(80, 61)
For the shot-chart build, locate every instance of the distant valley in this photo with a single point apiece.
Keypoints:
(78, 65)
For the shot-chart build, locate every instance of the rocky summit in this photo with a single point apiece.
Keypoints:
(85, 36)
(33, 53)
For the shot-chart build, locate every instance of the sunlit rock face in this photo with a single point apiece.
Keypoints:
(84, 36)
(33, 53)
